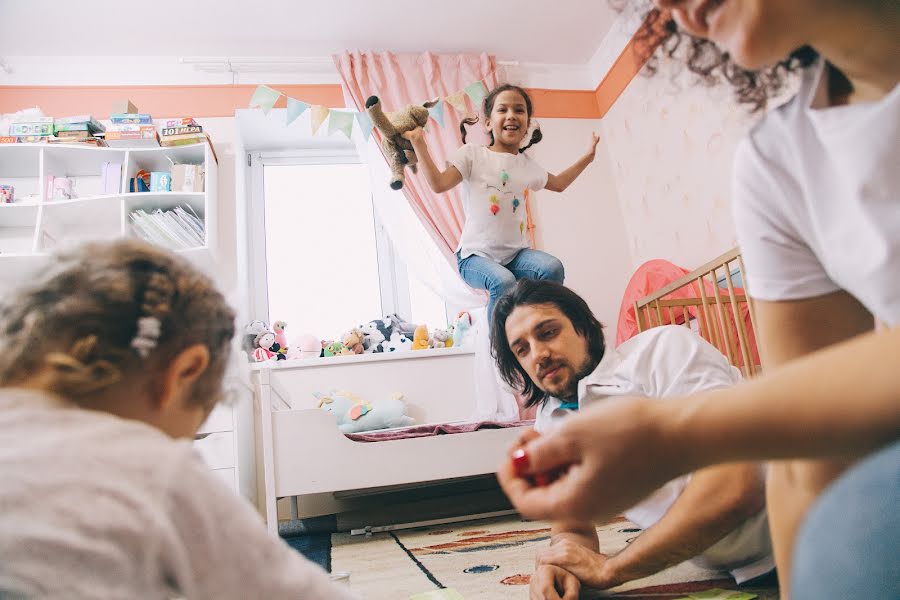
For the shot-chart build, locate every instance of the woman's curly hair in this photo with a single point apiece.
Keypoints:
(659, 33)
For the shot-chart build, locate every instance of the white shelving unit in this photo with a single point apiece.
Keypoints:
(34, 225)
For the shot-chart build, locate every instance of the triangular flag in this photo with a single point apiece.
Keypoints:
(318, 114)
(436, 112)
(457, 101)
(341, 120)
(476, 91)
(295, 108)
(365, 124)
(265, 98)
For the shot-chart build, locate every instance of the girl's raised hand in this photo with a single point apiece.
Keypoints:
(592, 148)
(414, 135)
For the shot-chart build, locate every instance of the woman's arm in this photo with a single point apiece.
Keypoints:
(439, 181)
(843, 401)
(558, 183)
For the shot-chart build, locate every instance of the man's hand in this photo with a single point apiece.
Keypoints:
(591, 568)
(552, 583)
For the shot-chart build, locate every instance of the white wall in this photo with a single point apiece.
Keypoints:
(671, 143)
(583, 226)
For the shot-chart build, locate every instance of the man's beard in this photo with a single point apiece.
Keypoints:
(571, 391)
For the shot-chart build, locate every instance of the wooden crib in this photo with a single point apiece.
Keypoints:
(708, 301)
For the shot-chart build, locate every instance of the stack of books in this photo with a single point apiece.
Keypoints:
(82, 129)
(131, 130)
(178, 229)
(181, 132)
(35, 129)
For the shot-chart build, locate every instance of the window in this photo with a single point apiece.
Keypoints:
(328, 263)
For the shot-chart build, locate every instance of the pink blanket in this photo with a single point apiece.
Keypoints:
(429, 430)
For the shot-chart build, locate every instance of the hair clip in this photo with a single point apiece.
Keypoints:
(147, 335)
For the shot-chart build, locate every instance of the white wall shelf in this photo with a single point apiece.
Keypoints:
(34, 225)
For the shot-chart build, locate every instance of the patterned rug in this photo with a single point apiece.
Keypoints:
(490, 559)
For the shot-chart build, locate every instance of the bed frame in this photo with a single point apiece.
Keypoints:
(714, 307)
(303, 456)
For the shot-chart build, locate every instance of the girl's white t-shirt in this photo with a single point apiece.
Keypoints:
(817, 200)
(497, 185)
(95, 506)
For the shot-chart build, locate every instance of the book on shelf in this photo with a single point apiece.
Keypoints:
(181, 130)
(131, 118)
(183, 139)
(88, 141)
(75, 134)
(31, 128)
(180, 122)
(78, 123)
(9, 139)
(178, 228)
(145, 137)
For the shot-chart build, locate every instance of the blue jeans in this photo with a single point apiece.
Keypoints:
(847, 545)
(484, 274)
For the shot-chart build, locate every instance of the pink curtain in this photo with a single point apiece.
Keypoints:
(401, 79)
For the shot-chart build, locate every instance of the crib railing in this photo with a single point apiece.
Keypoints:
(706, 300)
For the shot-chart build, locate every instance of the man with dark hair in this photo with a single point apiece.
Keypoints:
(549, 346)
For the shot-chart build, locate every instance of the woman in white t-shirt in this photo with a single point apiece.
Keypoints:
(110, 360)
(493, 250)
(817, 212)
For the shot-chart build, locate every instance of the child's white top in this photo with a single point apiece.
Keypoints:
(817, 200)
(666, 362)
(494, 200)
(94, 506)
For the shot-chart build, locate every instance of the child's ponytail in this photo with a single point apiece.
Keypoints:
(462, 126)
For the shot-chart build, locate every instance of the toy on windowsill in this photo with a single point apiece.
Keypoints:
(397, 343)
(398, 150)
(251, 330)
(420, 338)
(305, 346)
(461, 328)
(280, 336)
(353, 414)
(266, 348)
(353, 340)
(441, 338)
(335, 349)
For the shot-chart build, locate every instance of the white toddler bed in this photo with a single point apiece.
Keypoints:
(302, 453)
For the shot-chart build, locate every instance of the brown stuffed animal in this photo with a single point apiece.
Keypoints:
(397, 149)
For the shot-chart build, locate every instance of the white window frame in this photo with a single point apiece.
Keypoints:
(392, 275)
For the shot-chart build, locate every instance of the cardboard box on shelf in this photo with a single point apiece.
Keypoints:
(188, 178)
(123, 106)
(160, 181)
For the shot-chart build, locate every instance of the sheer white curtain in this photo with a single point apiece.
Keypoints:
(414, 245)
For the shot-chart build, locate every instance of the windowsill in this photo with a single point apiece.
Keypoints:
(359, 358)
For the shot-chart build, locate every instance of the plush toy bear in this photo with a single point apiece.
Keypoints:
(354, 414)
(397, 149)
(251, 330)
(441, 338)
(420, 338)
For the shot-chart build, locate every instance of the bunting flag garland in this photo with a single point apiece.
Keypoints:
(365, 124)
(341, 121)
(318, 114)
(295, 108)
(458, 102)
(476, 92)
(436, 112)
(265, 98)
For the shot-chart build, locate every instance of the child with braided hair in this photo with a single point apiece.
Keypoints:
(110, 360)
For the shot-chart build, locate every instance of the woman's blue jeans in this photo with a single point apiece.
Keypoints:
(484, 274)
